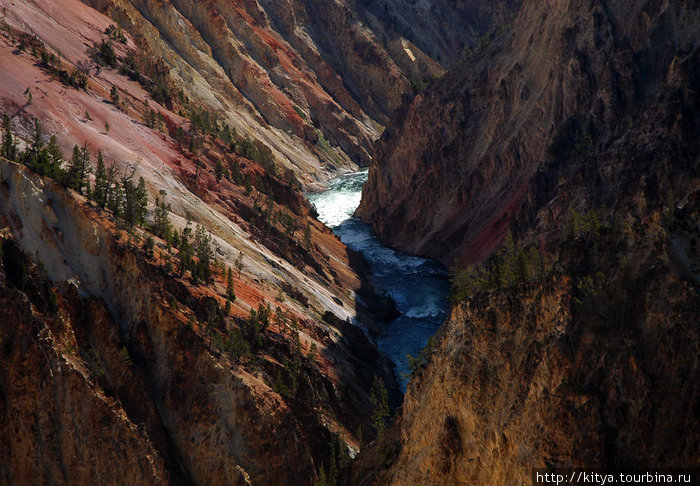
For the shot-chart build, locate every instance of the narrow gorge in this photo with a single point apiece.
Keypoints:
(348, 242)
(416, 287)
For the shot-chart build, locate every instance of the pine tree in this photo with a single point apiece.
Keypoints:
(110, 185)
(114, 95)
(9, 146)
(31, 156)
(186, 252)
(129, 199)
(141, 202)
(236, 172)
(54, 158)
(116, 201)
(380, 402)
(230, 294)
(202, 246)
(78, 169)
(506, 263)
(100, 192)
(239, 263)
(522, 266)
(219, 169)
(162, 225)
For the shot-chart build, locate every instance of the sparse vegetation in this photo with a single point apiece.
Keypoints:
(152, 74)
(421, 361)
(380, 404)
(114, 95)
(115, 33)
(511, 264)
(300, 112)
(52, 64)
(230, 293)
(103, 54)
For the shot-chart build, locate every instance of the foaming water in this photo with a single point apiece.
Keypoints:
(341, 199)
(419, 286)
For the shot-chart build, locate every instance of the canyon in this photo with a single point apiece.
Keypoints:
(546, 152)
(138, 371)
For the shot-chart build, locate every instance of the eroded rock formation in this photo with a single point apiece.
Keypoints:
(598, 91)
(114, 370)
(294, 73)
(574, 127)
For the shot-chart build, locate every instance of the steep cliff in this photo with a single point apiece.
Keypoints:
(117, 370)
(519, 381)
(573, 128)
(558, 90)
(440, 28)
(293, 73)
(57, 426)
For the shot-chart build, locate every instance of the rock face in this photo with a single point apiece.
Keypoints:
(575, 128)
(593, 91)
(58, 427)
(442, 29)
(289, 72)
(518, 382)
(112, 373)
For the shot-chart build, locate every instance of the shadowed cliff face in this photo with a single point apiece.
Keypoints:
(442, 29)
(519, 382)
(569, 111)
(557, 89)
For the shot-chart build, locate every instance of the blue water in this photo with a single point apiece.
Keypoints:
(419, 286)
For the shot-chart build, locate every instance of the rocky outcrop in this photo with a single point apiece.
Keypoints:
(556, 90)
(58, 426)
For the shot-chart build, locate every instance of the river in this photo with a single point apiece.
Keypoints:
(419, 286)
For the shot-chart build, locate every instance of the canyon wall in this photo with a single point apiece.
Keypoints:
(313, 79)
(115, 371)
(573, 128)
(519, 381)
(595, 91)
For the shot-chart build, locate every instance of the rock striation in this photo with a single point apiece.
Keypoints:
(112, 374)
(557, 87)
(574, 128)
(313, 79)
